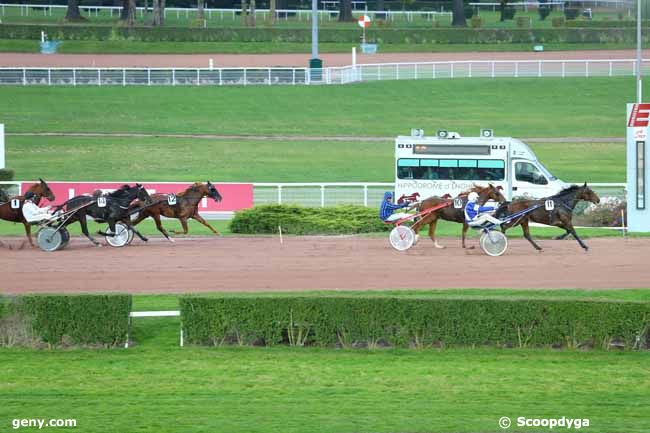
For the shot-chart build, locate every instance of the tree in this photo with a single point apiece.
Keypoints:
(251, 19)
(73, 13)
(200, 13)
(128, 12)
(156, 21)
(458, 14)
(503, 5)
(244, 13)
(345, 10)
(272, 11)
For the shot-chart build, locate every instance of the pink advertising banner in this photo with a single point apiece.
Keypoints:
(235, 196)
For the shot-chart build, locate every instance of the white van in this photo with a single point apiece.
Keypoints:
(451, 164)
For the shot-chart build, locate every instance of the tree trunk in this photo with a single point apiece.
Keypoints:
(502, 7)
(73, 13)
(272, 11)
(200, 14)
(156, 13)
(252, 17)
(458, 14)
(146, 7)
(380, 5)
(244, 13)
(345, 11)
(124, 13)
(162, 12)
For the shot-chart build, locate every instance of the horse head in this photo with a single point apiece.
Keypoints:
(212, 192)
(587, 194)
(42, 189)
(489, 192)
(142, 194)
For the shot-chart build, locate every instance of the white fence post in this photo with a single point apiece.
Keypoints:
(493, 69)
(24, 77)
(99, 77)
(279, 194)
(74, 77)
(148, 76)
(365, 195)
(322, 196)
(49, 76)
(173, 77)
(123, 77)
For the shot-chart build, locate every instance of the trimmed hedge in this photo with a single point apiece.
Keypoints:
(371, 322)
(299, 220)
(380, 35)
(6, 174)
(80, 319)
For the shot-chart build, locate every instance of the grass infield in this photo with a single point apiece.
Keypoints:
(526, 107)
(156, 386)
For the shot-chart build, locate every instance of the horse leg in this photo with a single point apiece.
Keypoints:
(526, 230)
(432, 233)
(562, 236)
(28, 233)
(131, 227)
(200, 219)
(159, 226)
(184, 225)
(572, 231)
(465, 228)
(84, 229)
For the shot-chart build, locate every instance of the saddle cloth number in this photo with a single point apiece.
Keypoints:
(549, 205)
(458, 203)
(171, 199)
(15, 203)
(101, 201)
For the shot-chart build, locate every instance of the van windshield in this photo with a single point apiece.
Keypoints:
(546, 172)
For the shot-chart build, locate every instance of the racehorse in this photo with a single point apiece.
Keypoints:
(114, 209)
(7, 213)
(453, 213)
(564, 203)
(185, 206)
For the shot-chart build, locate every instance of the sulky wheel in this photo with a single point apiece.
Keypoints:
(402, 238)
(50, 239)
(494, 243)
(121, 236)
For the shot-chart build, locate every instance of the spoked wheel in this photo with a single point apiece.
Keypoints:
(494, 243)
(50, 239)
(402, 238)
(121, 236)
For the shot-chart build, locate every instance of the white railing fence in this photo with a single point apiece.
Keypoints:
(370, 194)
(334, 75)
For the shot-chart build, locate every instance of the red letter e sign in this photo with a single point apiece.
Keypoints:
(639, 115)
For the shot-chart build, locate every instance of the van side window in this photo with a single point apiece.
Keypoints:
(527, 172)
(450, 169)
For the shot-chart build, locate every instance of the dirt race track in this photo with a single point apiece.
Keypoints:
(306, 263)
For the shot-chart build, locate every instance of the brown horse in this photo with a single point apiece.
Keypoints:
(564, 203)
(182, 206)
(9, 213)
(452, 212)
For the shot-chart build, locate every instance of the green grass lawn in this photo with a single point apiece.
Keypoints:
(174, 159)
(156, 386)
(137, 47)
(591, 107)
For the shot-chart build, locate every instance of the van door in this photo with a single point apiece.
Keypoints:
(528, 180)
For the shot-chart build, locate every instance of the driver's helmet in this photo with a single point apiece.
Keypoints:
(30, 196)
(472, 197)
(388, 196)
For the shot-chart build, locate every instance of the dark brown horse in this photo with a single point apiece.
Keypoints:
(15, 213)
(563, 204)
(182, 206)
(455, 211)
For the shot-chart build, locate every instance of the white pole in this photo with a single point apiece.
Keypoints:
(211, 64)
(2, 145)
(638, 52)
(354, 56)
